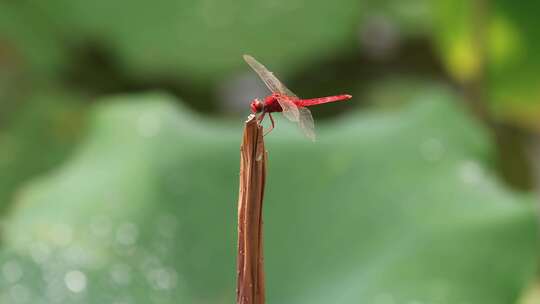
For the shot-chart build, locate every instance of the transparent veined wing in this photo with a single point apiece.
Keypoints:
(285, 98)
(305, 122)
(290, 110)
(268, 77)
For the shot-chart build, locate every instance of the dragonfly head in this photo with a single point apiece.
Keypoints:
(256, 106)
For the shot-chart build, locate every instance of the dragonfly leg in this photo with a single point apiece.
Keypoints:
(273, 124)
(261, 117)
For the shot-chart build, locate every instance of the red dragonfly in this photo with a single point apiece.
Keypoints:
(285, 101)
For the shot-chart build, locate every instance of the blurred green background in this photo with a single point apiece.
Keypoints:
(120, 124)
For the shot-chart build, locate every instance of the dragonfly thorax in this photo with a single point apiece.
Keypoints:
(257, 106)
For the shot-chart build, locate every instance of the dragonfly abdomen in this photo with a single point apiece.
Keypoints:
(321, 100)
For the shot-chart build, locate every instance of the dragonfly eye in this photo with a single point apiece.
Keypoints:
(253, 107)
(256, 106)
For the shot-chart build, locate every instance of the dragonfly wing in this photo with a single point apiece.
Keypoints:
(306, 123)
(290, 110)
(268, 77)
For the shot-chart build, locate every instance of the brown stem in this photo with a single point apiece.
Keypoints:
(250, 264)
